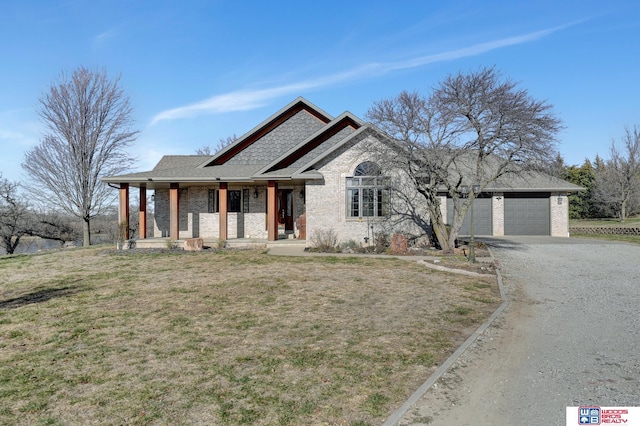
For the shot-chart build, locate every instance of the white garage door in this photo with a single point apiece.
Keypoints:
(526, 216)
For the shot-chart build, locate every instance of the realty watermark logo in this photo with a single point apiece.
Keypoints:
(588, 415)
(595, 415)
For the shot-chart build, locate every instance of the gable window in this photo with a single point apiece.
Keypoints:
(367, 192)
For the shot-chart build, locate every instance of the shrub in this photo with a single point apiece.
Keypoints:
(324, 240)
(352, 246)
(381, 243)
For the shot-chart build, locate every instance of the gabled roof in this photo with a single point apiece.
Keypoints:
(362, 132)
(513, 177)
(292, 144)
(274, 136)
(322, 140)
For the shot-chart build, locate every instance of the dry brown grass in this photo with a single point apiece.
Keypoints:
(94, 337)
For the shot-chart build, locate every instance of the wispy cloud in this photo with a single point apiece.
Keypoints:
(103, 38)
(243, 100)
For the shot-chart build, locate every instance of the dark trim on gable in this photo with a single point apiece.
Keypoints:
(315, 142)
(277, 121)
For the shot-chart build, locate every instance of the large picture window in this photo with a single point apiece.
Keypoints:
(367, 192)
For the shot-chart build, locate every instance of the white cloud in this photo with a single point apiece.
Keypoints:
(250, 99)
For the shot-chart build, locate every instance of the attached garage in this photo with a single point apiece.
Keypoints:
(481, 217)
(527, 214)
(527, 204)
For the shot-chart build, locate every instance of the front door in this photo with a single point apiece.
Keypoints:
(285, 209)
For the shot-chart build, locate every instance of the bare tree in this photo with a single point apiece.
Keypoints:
(15, 217)
(222, 143)
(617, 182)
(87, 118)
(205, 150)
(473, 130)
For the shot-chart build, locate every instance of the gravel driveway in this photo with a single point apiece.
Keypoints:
(570, 336)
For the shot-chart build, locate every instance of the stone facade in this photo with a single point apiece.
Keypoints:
(161, 213)
(327, 201)
(196, 221)
(325, 209)
(497, 214)
(559, 215)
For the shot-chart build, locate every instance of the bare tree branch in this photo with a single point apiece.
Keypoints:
(222, 143)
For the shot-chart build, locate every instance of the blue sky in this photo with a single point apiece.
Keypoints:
(198, 71)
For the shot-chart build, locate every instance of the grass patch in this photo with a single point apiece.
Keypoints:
(630, 221)
(634, 239)
(223, 338)
(607, 222)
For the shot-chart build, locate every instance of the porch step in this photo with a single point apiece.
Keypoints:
(287, 243)
(245, 243)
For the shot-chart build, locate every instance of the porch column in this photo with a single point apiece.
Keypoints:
(174, 211)
(123, 211)
(272, 211)
(142, 216)
(224, 208)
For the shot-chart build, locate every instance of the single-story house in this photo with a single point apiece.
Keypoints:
(301, 171)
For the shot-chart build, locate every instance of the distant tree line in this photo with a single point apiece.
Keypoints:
(612, 186)
(21, 220)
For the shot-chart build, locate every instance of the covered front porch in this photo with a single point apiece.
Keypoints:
(218, 211)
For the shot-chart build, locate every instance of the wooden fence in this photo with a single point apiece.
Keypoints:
(608, 230)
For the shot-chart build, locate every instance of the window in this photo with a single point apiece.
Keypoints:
(234, 200)
(212, 204)
(245, 201)
(367, 192)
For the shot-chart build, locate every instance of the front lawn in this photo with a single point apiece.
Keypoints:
(90, 336)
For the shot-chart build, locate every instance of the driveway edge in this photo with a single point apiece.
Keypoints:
(415, 397)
